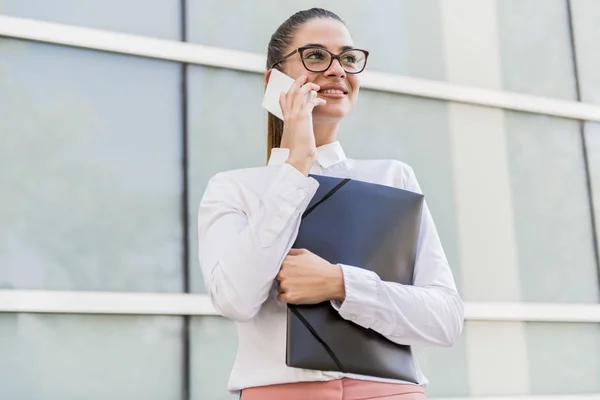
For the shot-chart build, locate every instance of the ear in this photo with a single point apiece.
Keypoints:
(268, 76)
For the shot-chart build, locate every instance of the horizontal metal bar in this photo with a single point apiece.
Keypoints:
(67, 302)
(533, 312)
(84, 302)
(480, 96)
(123, 43)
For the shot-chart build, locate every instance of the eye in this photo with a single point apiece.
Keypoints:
(315, 55)
(350, 58)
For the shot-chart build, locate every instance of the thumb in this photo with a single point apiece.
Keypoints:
(295, 252)
(313, 101)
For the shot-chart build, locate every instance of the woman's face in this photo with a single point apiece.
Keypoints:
(335, 37)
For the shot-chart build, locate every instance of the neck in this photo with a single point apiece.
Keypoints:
(325, 132)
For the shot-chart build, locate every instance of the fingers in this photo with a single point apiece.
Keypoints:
(302, 97)
(299, 98)
(283, 298)
(279, 276)
(313, 101)
(295, 102)
(287, 104)
(283, 104)
(295, 252)
(298, 83)
(287, 296)
(283, 294)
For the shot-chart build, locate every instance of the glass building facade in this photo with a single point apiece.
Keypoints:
(104, 157)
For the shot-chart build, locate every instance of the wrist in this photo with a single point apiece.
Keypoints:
(302, 163)
(337, 286)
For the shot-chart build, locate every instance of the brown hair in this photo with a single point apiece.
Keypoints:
(278, 45)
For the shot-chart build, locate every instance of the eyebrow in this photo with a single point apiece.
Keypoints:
(343, 48)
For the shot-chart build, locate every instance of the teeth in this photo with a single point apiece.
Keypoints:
(332, 91)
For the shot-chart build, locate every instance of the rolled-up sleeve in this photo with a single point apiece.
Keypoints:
(243, 236)
(428, 312)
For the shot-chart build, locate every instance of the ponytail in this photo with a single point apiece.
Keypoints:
(274, 133)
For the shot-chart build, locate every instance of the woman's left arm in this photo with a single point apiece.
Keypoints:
(428, 312)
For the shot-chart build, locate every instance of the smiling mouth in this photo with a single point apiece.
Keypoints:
(332, 91)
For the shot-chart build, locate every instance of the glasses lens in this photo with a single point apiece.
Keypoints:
(316, 60)
(353, 60)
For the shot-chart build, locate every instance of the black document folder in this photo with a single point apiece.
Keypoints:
(369, 226)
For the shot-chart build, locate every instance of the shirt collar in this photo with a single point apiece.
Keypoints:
(327, 155)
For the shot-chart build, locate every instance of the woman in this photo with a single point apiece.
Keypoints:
(248, 220)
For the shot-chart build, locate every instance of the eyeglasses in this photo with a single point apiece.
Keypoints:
(318, 59)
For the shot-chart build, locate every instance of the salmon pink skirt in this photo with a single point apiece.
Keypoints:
(340, 389)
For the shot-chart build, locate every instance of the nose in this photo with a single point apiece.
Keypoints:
(335, 69)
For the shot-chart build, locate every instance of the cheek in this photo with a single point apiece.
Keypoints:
(311, 76)
(293, 70)
(354, 82)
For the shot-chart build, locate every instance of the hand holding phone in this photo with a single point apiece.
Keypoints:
(278, 83)
(296, 105)
(281, 83)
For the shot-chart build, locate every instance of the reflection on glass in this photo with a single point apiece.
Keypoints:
(586, 20)
(227, 130)
(564, 358)
(214, 345)
(157, 18)
(551, 209)
(592, 141)
(90, 172)
(73, 357)
(535, 48)
(446, 369)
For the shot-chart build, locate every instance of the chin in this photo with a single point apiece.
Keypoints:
(328, 112)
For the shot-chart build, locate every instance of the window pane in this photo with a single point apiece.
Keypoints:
(411, 44)
(563, 358)
(157, 18)
(73, 357)
(559, 358)
(445, 368)
(227, 130)
(214, 346)
(592, 140)
(586, 20)
(535, 48)
(90, 152)
(551, 209)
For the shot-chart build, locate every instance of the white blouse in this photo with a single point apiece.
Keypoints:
(247, 222)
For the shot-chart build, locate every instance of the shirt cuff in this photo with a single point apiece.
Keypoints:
(361, 296)
(288, 195)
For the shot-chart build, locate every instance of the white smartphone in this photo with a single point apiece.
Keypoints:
(278, 83)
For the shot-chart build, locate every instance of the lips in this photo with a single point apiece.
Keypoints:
(333, 89)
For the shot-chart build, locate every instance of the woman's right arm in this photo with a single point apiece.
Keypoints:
(244, 236)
